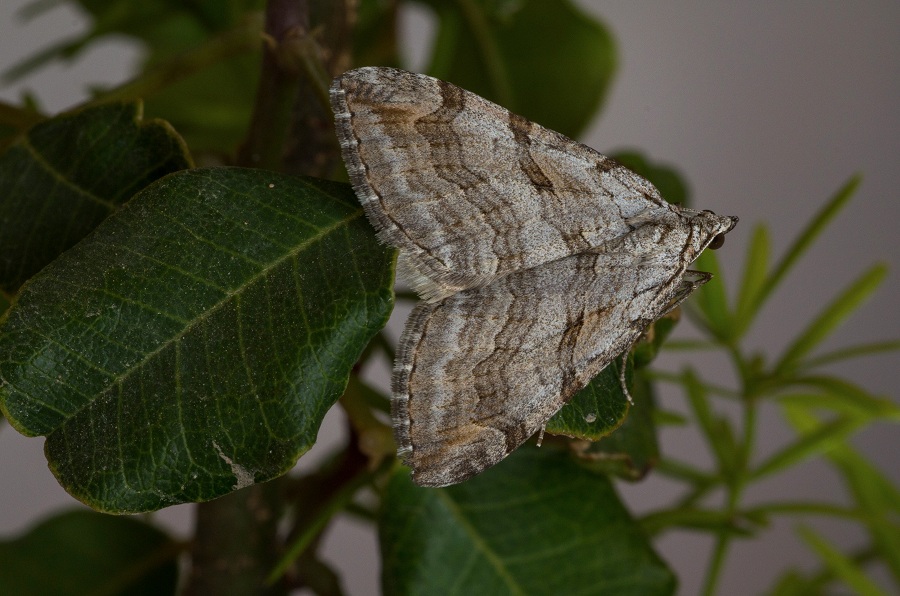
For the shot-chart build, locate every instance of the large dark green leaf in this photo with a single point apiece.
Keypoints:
(522, 53)
(80, 552)
(67, 174)
(535, 524)
(193, 343)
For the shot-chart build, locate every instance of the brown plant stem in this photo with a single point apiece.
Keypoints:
(291, 129)
(317, 498)
(278, 86)
(322, 54)
(235, 543)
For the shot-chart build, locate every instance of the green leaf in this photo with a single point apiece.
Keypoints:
(831, 317)
(669, 418)
(879, 499)
(867, 406)
(837, 387)
(535, 524)
(67, 174)
(868, 349)
(686, 472)
(815, 442)
(631, 450)
(80, 552)
(201, 66)
(192, 344)
(842, 567)
(375, 34)
(871, 488)
(698, 519)
(596, 410)
(520, 54)
(667, 180)
(168, 27)
(755, 270)
(711, 299)
(716, 429)
(795, 508)
(874, 493)
(805, 240)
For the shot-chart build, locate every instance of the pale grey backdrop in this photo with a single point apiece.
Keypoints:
(767, 108)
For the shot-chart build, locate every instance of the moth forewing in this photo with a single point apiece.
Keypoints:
(540, 261)
(469, 191)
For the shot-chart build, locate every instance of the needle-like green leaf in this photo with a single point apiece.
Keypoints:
(710, 299)
(872, 490)
(756, 267)
(841, 566)
(867, 349)
(716, 428)
(814, 442)
(805, 240)
(831, 317)
(856, 404)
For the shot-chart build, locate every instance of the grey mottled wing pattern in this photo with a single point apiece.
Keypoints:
(531, 341)
(469, 191)
(539, 260)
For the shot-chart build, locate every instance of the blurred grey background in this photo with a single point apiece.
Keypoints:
(766, 108)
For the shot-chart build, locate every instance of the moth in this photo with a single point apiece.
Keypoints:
(538, 260)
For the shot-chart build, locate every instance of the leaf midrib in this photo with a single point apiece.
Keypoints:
(58, 175)
(492, 557)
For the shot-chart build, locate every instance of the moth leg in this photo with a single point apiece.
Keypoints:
(622, 374)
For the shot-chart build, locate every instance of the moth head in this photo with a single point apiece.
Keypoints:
(710, 229)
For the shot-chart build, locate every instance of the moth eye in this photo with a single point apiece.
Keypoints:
(717, 242)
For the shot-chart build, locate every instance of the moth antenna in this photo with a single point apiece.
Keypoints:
(541, 434)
